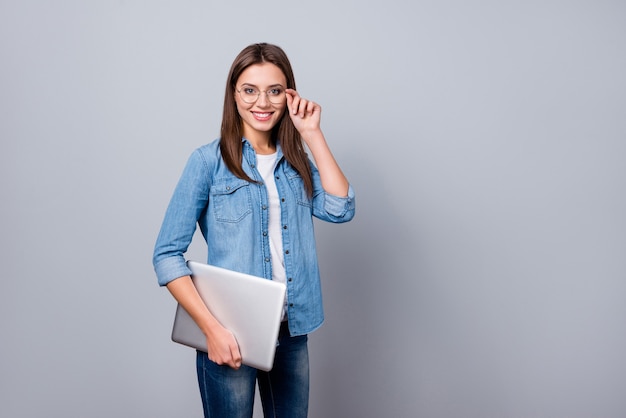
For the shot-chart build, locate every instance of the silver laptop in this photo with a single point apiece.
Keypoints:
(250, 307)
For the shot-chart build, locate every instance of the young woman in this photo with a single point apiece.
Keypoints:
(253, 193)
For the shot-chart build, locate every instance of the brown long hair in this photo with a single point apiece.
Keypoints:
(231, 132)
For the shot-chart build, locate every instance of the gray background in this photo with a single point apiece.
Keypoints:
(484, 274)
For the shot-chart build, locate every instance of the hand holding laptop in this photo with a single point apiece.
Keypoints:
(222, 347)
(240, 315)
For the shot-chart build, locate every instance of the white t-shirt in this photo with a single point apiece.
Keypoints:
(266, 165)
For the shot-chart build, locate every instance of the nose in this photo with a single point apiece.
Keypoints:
(263, 99)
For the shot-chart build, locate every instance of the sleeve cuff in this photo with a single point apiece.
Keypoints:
(171, 268)
(339, 206)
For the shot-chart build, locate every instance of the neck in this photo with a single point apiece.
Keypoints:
(262, 144)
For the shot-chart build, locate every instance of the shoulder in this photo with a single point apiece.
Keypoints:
(208, 154)
(210, 150)
(203, 160)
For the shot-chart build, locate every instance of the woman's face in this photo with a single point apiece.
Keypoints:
(260, 99)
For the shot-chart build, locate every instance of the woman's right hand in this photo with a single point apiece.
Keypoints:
(222, 347)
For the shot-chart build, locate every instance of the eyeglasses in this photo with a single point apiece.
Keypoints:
(250, 94)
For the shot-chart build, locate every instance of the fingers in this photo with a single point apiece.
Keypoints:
(300, 106)
(235, 357)
(232, 359)
(225, 353)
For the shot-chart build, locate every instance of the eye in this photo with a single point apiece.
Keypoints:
(249, 90)
(276, 91)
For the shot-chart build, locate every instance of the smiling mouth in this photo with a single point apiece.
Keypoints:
(262, 116)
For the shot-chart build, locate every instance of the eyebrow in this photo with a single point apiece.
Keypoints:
(270, 86)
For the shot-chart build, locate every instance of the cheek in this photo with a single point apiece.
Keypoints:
(239, 104)
(242, 109)
(279, 112)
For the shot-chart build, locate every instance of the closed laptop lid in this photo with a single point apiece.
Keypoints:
(250, 307)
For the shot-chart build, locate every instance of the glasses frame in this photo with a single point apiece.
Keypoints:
(282, 99)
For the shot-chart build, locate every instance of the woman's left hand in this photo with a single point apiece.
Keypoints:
(305, 116)
(304, 113)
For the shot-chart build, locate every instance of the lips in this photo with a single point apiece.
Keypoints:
(262, 116)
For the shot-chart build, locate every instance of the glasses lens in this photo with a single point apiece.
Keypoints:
(276, 95)
(249, 94)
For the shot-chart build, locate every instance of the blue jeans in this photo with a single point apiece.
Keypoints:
(284, 391)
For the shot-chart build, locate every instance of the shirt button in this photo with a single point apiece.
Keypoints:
(263, 207)
(282, 200)
(264, 233)
(291, 305)
(252, 165)
(277, 177)
(287, 252)
(284, 226)
(267, 260)
(290, 279)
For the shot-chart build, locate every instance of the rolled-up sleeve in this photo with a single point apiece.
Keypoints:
(185, 208)
(171, 268)
(338, 209)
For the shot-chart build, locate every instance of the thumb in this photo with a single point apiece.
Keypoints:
(289, 101)
(235, 354)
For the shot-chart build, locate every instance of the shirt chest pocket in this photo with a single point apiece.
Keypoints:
(297, 187)
(230, 200)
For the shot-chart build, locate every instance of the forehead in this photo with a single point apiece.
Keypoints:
(262, 75)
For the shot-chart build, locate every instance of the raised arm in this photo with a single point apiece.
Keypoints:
(306, 115)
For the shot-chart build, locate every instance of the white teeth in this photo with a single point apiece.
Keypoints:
(262, 115)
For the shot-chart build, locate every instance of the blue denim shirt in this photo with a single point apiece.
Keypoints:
(233, 217)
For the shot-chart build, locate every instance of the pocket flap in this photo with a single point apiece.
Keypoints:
(228, 186)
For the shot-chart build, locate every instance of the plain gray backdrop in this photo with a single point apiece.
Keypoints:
(483, 276)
